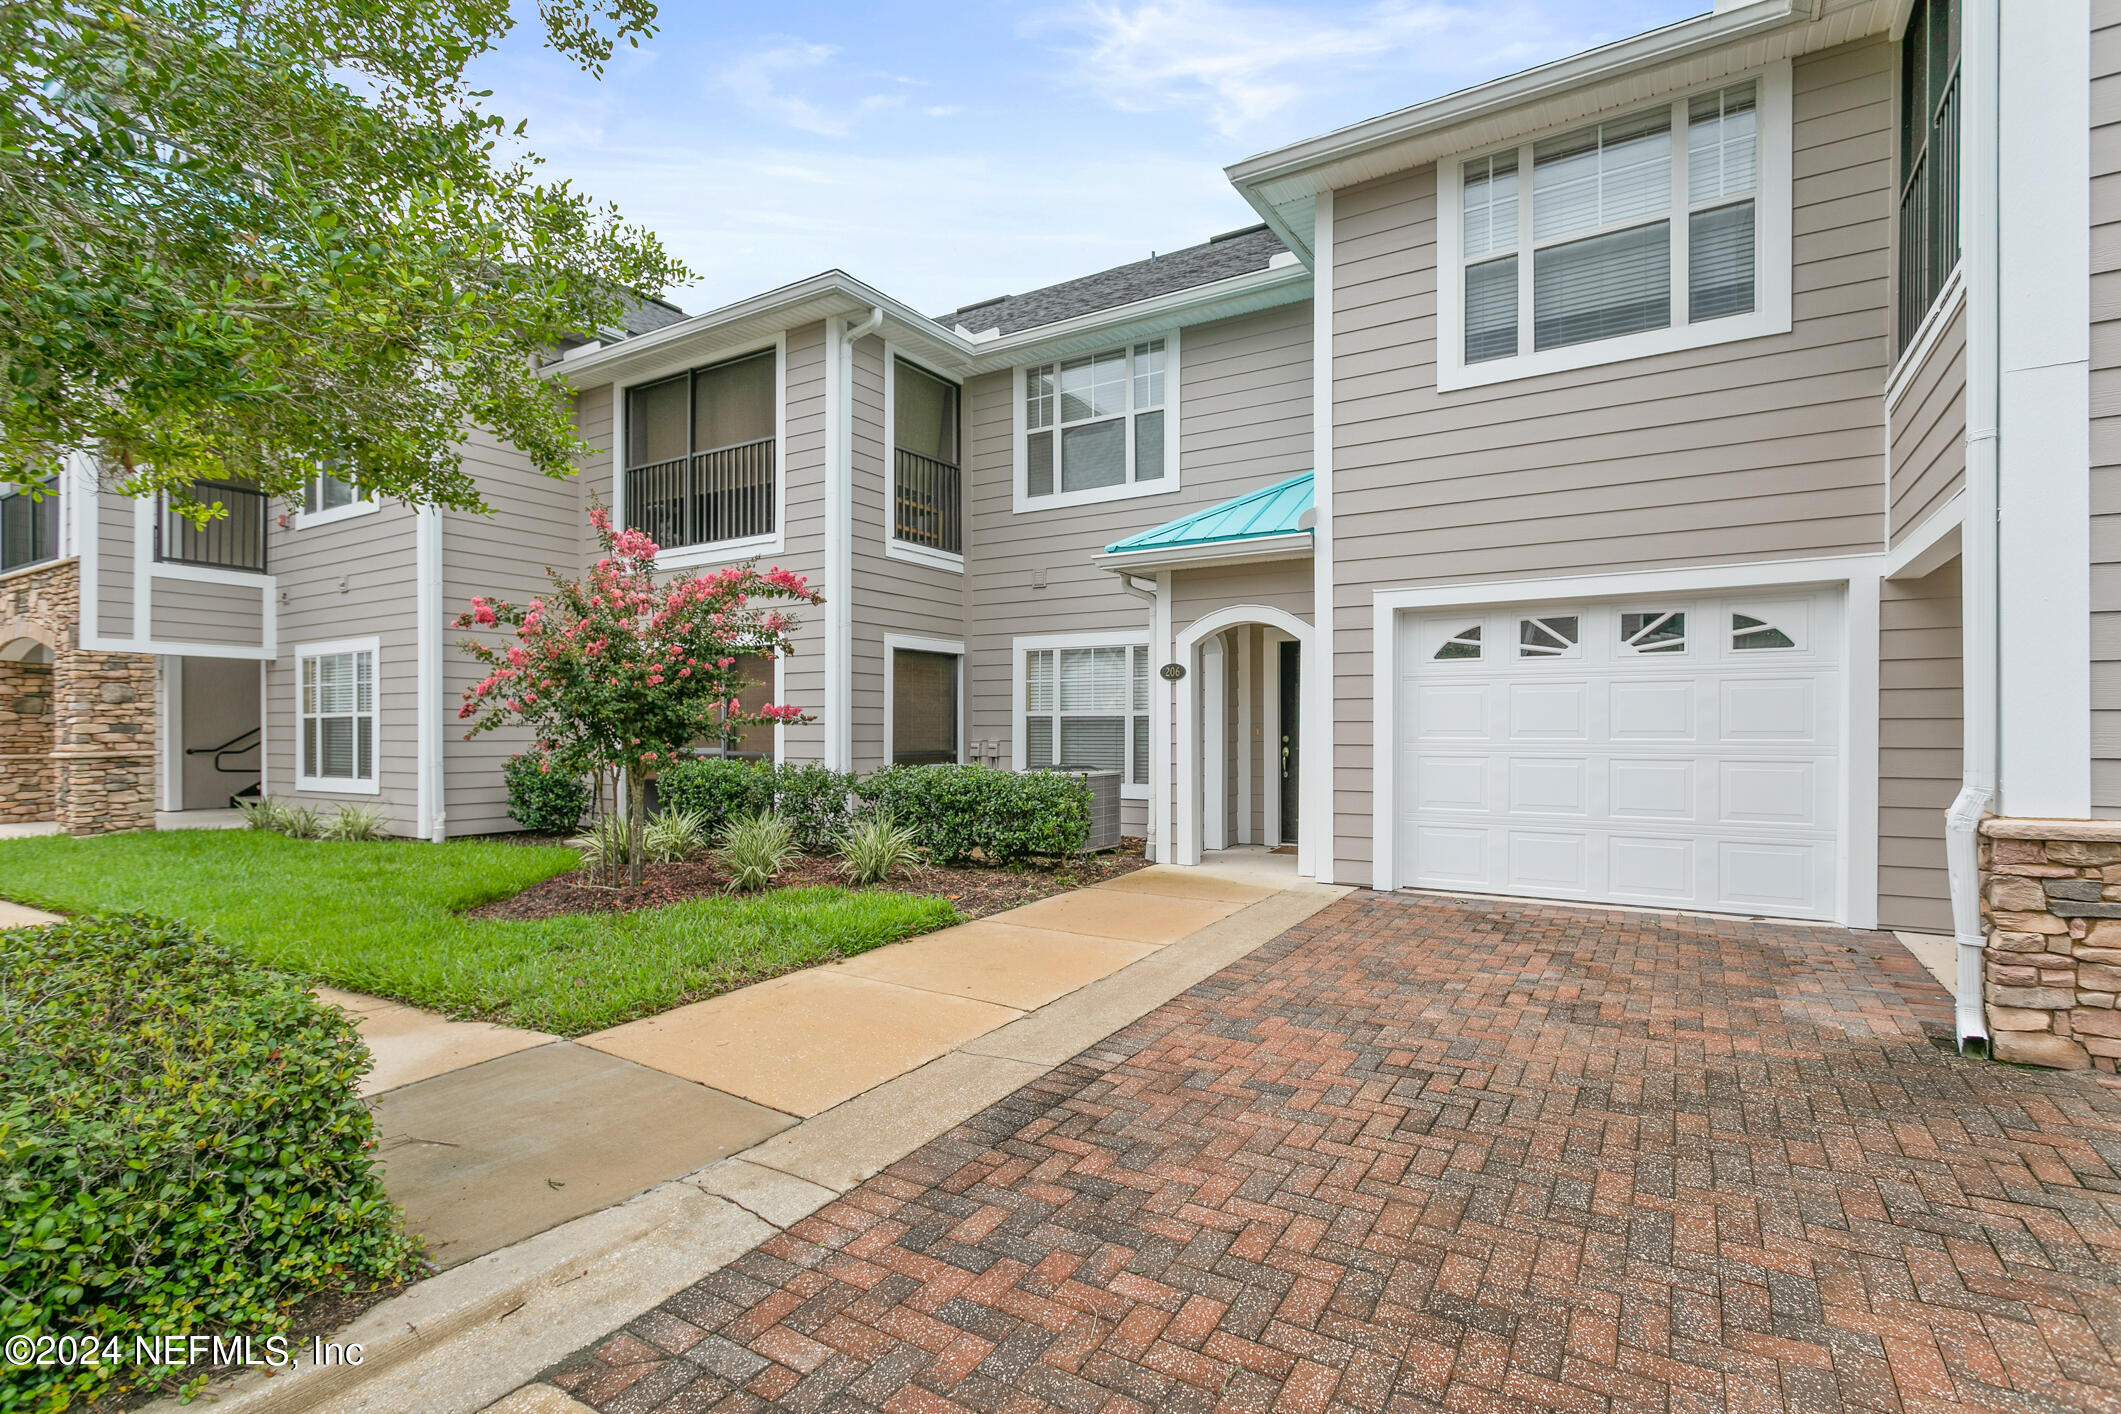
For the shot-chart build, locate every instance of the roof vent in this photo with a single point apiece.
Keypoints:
(966, 308)
(1233, 235)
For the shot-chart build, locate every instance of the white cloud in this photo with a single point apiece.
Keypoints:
(762, 81)
(1239, 63)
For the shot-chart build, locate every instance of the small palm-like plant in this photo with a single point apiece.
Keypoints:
(300, 822)
(260, 814)
(674, 835)
(603, 845)
(873, 849)
(754, 849)
(357, 822)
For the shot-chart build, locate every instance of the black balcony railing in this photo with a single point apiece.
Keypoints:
(1929, 215)
(29, 528)
(725, 494)
(929, 503)
(235, 541)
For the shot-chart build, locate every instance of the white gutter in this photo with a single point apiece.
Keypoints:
(1978, 226)
(839, 540)
(1295, 545)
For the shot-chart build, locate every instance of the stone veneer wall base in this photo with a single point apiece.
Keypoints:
(2051, 916)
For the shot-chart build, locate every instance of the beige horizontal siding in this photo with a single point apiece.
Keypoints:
(891, 595)
(1927, 448)
(1752, 450)
(351, 578)
(536, 525)
(193, 611)
(1244, 423)
(114, 565)
(1919, 734)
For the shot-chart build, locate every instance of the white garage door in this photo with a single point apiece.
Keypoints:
(1671, 753)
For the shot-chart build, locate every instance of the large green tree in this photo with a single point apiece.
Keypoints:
(243, 238)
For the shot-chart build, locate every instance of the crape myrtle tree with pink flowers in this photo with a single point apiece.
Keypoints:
(619, 675)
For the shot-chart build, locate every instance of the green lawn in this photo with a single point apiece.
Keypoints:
(381, 918)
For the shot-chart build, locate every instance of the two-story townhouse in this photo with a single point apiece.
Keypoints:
(1697, 447)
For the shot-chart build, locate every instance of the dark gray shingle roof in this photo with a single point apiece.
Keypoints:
(645, 316)
(1235, 253)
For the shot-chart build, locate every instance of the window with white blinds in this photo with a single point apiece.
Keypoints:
(1640, 232)
(335, 726)
(1098, 426)
(1088, 707)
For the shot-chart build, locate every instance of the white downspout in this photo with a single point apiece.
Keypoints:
(1978, 225)
(839, 550)
(427, 620)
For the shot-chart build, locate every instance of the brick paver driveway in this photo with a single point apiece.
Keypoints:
(1423, 1154)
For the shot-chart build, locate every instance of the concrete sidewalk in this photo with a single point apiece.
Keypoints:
(490, 1135)
(873, 1057)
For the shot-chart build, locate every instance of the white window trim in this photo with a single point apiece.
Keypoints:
(917, 644)
(335, 785)
(1020, 649)
(1771, 263)
(718, 552)
(306, 519)
(894, 548)
(1170, 481)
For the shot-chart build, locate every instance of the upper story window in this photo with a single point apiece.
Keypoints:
(927, 488)
(234, 539)
(1098, 427)
(29, 526)
(700, 453)
(1929, 160)
(1662, 229)
(330, 494)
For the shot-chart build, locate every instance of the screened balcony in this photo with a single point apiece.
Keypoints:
(701, 454)
(927, 491)
(1929, 162)
(29, 528)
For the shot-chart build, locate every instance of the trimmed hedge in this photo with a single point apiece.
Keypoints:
(818, 803)
(182, 1148)
(1006, 816)
(550, 802)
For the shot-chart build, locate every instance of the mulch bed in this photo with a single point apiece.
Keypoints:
(975, 891)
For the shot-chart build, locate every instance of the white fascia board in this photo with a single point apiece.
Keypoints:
(1281, 172)
(1259, 550)
(820, 297)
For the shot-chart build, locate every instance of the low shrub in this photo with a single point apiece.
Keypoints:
(874, 849)
(543, 796)
(671, 836)
(182, 1148)
(717, 789)
(818, 804)
(1004, 816)
(754, 849)
(357, 822)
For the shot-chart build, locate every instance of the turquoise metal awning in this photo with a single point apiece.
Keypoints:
(1269, 513)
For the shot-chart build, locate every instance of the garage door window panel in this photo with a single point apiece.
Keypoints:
(1554, 636)
(1462, 646)
(1653, 632)
(1751, 635)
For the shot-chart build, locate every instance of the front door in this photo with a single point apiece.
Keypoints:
(1291, 698)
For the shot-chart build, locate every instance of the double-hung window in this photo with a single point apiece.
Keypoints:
(331, 494)
(335, 707)
(1099, 426)
(1659, 229)
(700, 453)
(1088, 707)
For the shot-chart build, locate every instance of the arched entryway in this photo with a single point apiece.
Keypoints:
(1241, 766)
(27, 782)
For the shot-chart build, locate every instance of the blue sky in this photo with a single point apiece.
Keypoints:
(948, 154)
